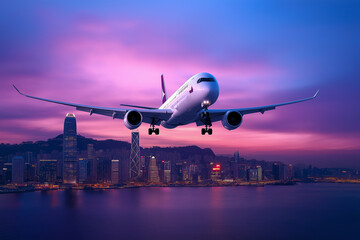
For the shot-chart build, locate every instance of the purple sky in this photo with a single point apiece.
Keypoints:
(110, 52)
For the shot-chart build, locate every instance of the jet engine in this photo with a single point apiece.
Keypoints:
(133, 119)
(232, 120)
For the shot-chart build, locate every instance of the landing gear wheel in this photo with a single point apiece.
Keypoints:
(152, 130)
(203, 131)
(206, 130)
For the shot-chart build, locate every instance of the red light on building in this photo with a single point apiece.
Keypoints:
(216, 168)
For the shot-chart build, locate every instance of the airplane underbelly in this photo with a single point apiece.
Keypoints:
(186, 112)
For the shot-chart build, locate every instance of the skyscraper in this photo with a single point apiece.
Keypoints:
(92, 163)
(70, 162)
(259, 174)
(134, 171)
(48, 170)
(153, 171)
(18, 166)
(115, 171)
(193, 173)
(216, 172)
(278, 171)
(83, 170)
(252, 174)
(167, 172)
(7, 173)
(104, 170)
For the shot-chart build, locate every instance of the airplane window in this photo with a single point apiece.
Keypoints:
(205, 80)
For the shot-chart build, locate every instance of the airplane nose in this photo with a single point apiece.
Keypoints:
(211, 92)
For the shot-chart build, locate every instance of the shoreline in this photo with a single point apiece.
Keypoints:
(6, 189)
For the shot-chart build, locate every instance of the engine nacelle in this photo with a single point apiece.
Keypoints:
(232, 120)
(133, 119)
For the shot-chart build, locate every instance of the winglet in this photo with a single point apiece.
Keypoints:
(317, 92)
(17, 90)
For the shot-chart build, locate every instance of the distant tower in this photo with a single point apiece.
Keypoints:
(236, 157)
(70, 162)
(153, 171)
(134, 171)
(18, 169)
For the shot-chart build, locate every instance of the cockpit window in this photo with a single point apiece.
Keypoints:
(205, 80)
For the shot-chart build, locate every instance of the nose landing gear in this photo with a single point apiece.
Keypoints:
(205, 118)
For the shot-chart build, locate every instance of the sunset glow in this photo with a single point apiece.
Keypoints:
(114, 52)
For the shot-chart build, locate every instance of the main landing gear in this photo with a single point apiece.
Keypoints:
(206, 130)
(152, 129)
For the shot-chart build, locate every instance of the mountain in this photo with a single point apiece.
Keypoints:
(55, 145)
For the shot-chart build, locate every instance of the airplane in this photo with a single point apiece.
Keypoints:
(189, 104)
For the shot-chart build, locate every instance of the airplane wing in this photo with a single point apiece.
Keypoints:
(217, 114)
(149, 115)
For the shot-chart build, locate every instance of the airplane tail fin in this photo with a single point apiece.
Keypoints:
(163, 90)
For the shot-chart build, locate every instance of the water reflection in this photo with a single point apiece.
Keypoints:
(183, 213)
(71, 198)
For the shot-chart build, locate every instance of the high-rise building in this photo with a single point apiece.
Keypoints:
(124, 170)
(193, 173)
(92, 163)
(259, 173)
(2, 171)
(153, 171)
(29, 158)
(48, 169)
(252, 174)
(104, 170)
(241, 171)
(278, 171)
(18, 166)
(178, 172)
(30, 172)
(83, 170)
(143, 171)
(7, 173)
(134, 171)
(70, 162)
(115, 171)
(185, 173)
(291, 171)
(215, 173)
(167, 172)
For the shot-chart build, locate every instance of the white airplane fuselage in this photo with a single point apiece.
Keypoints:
(187, 102)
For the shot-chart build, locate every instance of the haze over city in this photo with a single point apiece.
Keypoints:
(114, 52)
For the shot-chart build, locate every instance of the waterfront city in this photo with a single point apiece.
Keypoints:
(71, 161)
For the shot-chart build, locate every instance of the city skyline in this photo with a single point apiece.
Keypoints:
(108, 56)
